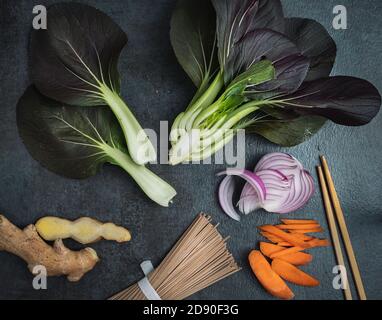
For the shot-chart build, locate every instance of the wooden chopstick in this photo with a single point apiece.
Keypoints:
(333, 229)
(343, 228)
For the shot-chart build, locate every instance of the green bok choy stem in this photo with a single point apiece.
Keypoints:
(139, 145)
(205, 128)
(201, 101)
(152, 185)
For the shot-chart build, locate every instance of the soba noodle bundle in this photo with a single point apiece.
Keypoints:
(199, 259)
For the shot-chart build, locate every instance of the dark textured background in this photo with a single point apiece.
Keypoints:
(156, 86)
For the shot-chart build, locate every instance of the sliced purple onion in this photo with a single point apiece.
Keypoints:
(226, 189)
(251, 178)
(280, 184)
(283, 162)
(277, 186)
(249, 200)
(301, 182)
(302, 190)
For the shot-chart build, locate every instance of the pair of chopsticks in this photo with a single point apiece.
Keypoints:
(331, 201)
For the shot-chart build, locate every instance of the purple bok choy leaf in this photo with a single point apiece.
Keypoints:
(235, 19)
(263, 44)
(314, 42)
(345, 100)
(285, 127)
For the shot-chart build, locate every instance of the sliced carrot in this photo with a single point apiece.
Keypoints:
(268, 249)
(297, 259)
(293, 274)
(269, 279)
(286, 251)
(303, 237)
(313, 230)
(317, 243)
(288, 237)
(298, 221)
(271, 237)
(297, 226)
(284, 244)
(311, 244)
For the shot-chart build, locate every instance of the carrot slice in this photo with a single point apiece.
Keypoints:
(297, 259)
(293, 274)
(298, 221)
(302, 236)
(310, 244)
(284, 244)
(288, 237)
(271, 237)
(286, 251)
(269, 279)
(267, 249)
(297, 226)
(317, 243)
(312, 230)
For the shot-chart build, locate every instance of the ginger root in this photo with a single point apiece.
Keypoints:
(58, 260)
(84, 230)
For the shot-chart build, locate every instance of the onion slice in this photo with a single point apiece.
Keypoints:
(278, 189)
(256, 183)
(280, 184)
(249, 200)
(283, 162)
(302, 190)
(226, 189)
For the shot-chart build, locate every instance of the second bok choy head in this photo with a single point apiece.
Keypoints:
(256, 70)
(74, 61)
(76, 141)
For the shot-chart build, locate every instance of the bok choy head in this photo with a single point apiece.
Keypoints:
(260, 72)
(75, 142)
(74, 61)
